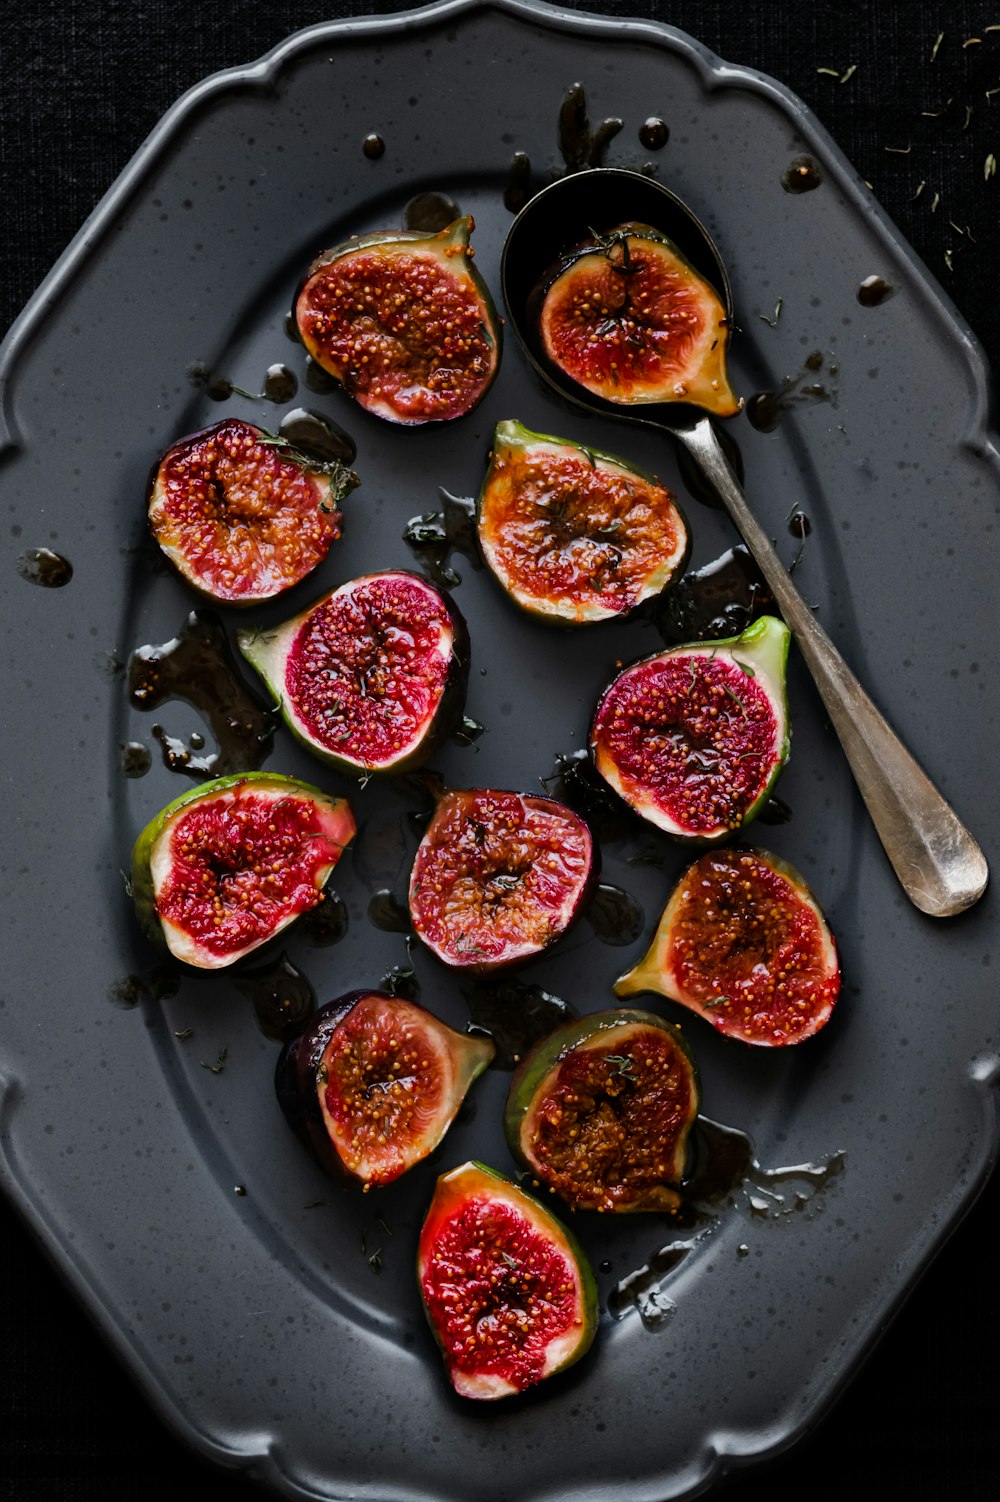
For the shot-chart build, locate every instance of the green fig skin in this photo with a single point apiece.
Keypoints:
(141, 881)
(475, 1182)
(760, 653)
(619, 1029)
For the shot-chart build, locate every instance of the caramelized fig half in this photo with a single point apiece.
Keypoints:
(498, 877)
(629, 319)
(507, 1289)
(372, 676)
(243, 515)
(572, 534)
(404, 322)
(373, 1082)
(743, 943)
(601, 1109)
(230, 864)
(694, 738)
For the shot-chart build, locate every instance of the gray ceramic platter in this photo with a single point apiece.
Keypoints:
(257, 1325)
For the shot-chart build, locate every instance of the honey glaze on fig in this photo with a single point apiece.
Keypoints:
(198, 666)
(601, 1110)
(575, 535)
(404, 323)
(696, 734)
(241, 517)
(743, 943)
(498, 877)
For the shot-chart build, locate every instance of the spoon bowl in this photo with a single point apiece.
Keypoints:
(565, 214)
(938, 863)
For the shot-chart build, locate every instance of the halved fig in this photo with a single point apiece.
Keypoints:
(600, 1111)
(243, 515)
(694, 738)
(372, 676)
(404, 322)
(743, 943)
(572, 534)
(507, 1289)
(373, 1082)
(628, 318)
(230, 864)
(498, 877)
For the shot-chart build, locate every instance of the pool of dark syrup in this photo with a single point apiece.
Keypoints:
(198, 667)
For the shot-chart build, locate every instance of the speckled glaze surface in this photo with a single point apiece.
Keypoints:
(255, 1319)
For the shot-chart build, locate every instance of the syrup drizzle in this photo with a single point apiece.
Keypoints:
(765, 409)
(725, 1171)
(198, 666)
(42, 566)
(282, 998)
(435, 535)
(318, 437)
(390, 915)
(326, 923)
(430, 212)
(720, 599)
(614, 915)
(515, 1015)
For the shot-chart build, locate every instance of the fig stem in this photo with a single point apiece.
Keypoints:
(939, 865)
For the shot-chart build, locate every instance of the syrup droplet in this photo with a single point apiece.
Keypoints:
(326, 923)
(763, 412)
(389, 914)
(614, 915)
(431, 212)
(518, 190)
(468, 731)
(401, 980)
(580, 145)
(318, 379)
(515, 1015)
(291, 327)
(654, 133)
(318, 436)
(282, 998)
(136, 760)
(280, 384)
(799, 524)
(373, 147)
(42, 566)
(874, 290)
(801, 175)
(775, 811)
(198, 666)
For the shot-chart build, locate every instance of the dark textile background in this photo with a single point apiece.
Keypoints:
(82, 82)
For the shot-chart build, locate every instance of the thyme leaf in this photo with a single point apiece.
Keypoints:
(219, 1064)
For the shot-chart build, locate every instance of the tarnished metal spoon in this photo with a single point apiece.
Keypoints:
(941, 868)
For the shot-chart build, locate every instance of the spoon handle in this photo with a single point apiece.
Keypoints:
(941, 868)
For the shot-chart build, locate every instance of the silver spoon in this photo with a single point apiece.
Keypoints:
(941, 868)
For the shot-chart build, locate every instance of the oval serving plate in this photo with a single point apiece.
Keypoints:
(270, 1324)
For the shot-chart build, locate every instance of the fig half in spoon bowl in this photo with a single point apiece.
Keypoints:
(694, 738)
(372, 676)
(572, 534)
(498, 877)
(243, 515)
(627, 317)
(228, 865)
(404, 322)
